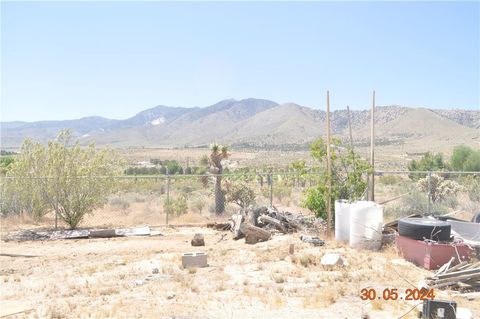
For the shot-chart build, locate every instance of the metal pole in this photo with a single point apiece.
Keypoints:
(329, 171)
(372, 150)
(168, 200)
(56, 220)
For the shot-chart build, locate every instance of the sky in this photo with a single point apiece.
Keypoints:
(66, 60)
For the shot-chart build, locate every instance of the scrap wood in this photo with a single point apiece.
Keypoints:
(271, 219)
(10, 308)
(445, 267)
(18, 255)
(464, 276)
(254, 234)
(265, 219)
(219, 226)
(77, 233)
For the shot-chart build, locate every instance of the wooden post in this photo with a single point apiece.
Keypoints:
(350, 129)
(372, 150)
(329, 171)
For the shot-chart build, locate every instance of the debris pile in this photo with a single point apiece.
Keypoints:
(259, 223)
(80, 233)
(464, 277)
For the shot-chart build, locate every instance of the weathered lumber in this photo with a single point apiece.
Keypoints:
(237, 220)
(458, 273)
(254, 234)
(136, 231)
(18, 255)
(272, 221)
(219, 226)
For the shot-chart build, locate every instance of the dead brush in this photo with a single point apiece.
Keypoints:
(278, 277)
(326, 297)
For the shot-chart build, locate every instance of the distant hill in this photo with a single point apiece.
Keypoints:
(257, 122)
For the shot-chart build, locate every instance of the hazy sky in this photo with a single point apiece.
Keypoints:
(65, 60)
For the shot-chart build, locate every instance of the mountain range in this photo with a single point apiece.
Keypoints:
(257, 123)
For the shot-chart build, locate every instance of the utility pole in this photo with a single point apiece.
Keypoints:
(372, 150)
(351, 137)
(329, 171)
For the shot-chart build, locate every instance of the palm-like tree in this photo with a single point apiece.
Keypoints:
(218, 154)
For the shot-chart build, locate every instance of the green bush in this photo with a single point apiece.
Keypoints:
(465, 158)
(240, 194)
(429, 162)
(176, 206)
(347, 178)
(62, 177)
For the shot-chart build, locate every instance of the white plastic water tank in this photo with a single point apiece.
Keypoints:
(366, 220)
(342, 220)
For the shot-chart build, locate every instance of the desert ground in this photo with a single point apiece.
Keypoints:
(142, 277)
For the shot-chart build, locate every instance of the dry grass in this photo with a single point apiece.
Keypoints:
(98, 279)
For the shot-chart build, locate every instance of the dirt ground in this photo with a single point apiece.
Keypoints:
(142, 277)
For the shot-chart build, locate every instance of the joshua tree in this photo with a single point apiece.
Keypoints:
(218, 154)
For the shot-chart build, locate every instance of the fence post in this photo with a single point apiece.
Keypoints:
(270, 179)
(168, 200)
(429, 192)
(56, 220)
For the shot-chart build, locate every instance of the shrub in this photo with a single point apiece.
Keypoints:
(120, 203)
(472, 186)
(198, 204)
(465, 158)
(347, 177)
(389, 179)
(439, 187)
(69, 184)
(429, 162)
(240, 194)
(176, 206)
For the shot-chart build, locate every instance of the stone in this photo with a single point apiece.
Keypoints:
(331, 260)
(198, 240)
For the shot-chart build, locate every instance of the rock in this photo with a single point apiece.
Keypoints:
(198, 240)
(155, 271)
(139, 282)
(171, 296)
(331, 260)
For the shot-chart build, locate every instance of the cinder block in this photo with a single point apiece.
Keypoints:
(196, 259)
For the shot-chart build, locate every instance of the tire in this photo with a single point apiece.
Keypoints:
(476, 218)
(422, 228)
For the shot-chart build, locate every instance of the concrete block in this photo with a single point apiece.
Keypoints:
(331, 260)
(193, 260)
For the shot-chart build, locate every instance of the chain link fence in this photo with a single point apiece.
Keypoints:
(190, 199)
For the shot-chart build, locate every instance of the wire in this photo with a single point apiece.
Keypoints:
(409, 310)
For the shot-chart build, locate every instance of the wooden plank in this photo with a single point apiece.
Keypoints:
(460, 272)
(454, 268)
(237, 220)
(18, 255)
(10, 308)
(444, 268)
(458, 278)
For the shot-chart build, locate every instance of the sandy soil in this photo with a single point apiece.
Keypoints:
(117, 278)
